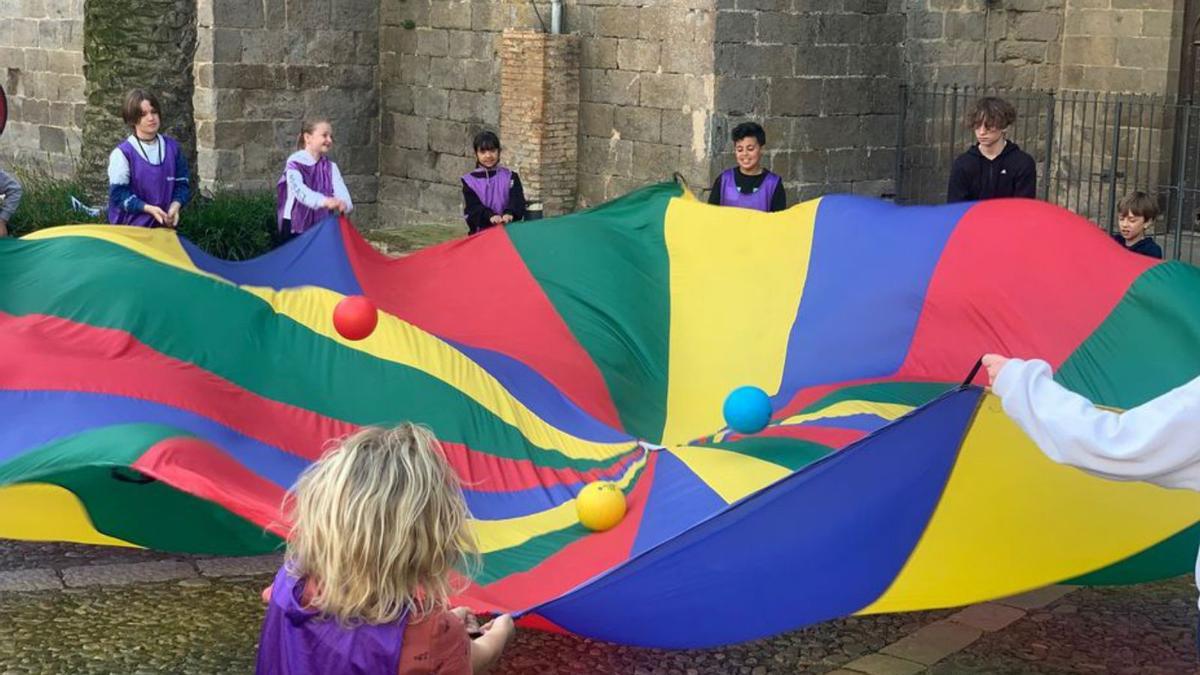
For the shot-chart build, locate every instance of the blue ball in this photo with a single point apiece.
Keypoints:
(747, 410)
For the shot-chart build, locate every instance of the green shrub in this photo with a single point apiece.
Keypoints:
(228, 224)
(46, 202)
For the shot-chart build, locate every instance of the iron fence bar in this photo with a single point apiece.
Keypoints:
(1181, 178)
(1112, 178)
(1049, 147)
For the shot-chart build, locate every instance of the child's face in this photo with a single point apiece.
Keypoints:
(147, 125)
(487, 158)
(988, 135)
(748, 153)
(320, 140)
(1133, 227)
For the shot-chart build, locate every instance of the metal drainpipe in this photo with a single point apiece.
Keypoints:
(556, 8)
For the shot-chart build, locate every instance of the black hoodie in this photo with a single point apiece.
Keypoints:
(973, 177)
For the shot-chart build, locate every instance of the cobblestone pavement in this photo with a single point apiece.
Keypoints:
(77, 609)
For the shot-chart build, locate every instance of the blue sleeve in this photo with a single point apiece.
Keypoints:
(182, 191)
(121, 197)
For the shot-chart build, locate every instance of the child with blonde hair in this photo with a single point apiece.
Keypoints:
(311, 186)
(378, 527)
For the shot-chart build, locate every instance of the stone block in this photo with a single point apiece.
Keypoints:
(663, 90)
(638, 55)
(127, 573)
(787, 28)
(450, 14)
(29, 580)
(1144, 52)
(926, 25)
(430, 102)
(1037, 26)
(52, 140)
(617, 21)
(609, 86)
(354, 15)
(677, 128)
(882, 664)
(933, 643)
(742, 96)
(313, 14)
(241, 14)
(1037, 598)
(988, 616)
(449, 136)
(410, 131)
(796, 96)
(815, 60)
(735, 27)
(638, 124)
(596, 119)
(432, 42)
(599, 52)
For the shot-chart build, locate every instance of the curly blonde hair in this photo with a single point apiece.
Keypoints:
(379, 525)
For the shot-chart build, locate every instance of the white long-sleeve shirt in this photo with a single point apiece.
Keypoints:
(1156, 442)
(298, 191)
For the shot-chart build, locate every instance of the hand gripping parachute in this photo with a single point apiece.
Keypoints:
(154, 396)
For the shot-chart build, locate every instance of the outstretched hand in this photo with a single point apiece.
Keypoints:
(993, 363)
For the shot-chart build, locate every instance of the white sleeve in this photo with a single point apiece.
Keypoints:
(118, 168)
(339, 189)
(301, 192)
(1157, 441)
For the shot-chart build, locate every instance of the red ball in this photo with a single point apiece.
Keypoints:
(355, 317)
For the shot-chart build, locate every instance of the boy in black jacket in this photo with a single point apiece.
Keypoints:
(995, 166)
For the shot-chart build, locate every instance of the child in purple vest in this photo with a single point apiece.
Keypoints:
(311, 186)
(378, 527)
(147, 172)
(748, 185)
(492, 194)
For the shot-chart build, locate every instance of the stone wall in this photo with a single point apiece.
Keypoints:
(823, 80)
(41, 68)
(646, 94)
(262, 67)
(1129, 46)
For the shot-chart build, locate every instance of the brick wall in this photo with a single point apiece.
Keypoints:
(262, 67)
(41, 67)
(539, 115)
(822, 79)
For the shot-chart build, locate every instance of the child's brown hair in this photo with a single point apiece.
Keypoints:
(309, 126)
(992, 112)
(131, 112)
(1140, 204)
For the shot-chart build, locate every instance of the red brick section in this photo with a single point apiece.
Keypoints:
(539, 114)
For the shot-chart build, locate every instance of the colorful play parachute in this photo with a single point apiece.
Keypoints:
(155, 396)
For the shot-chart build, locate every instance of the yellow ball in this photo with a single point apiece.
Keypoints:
(601, 505)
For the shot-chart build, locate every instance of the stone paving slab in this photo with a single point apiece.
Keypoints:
(933, 642)
(882, 664)
(127, 573)
(988, 616)
(1037, 598)
(30, 580)
(240, 567)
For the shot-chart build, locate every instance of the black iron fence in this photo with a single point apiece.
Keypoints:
(1091, 149)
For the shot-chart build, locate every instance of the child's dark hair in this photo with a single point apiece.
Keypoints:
(131, 112)
(309, 126)
(486, 140)
(992, 112)
(746, 129)
(1138, 203)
